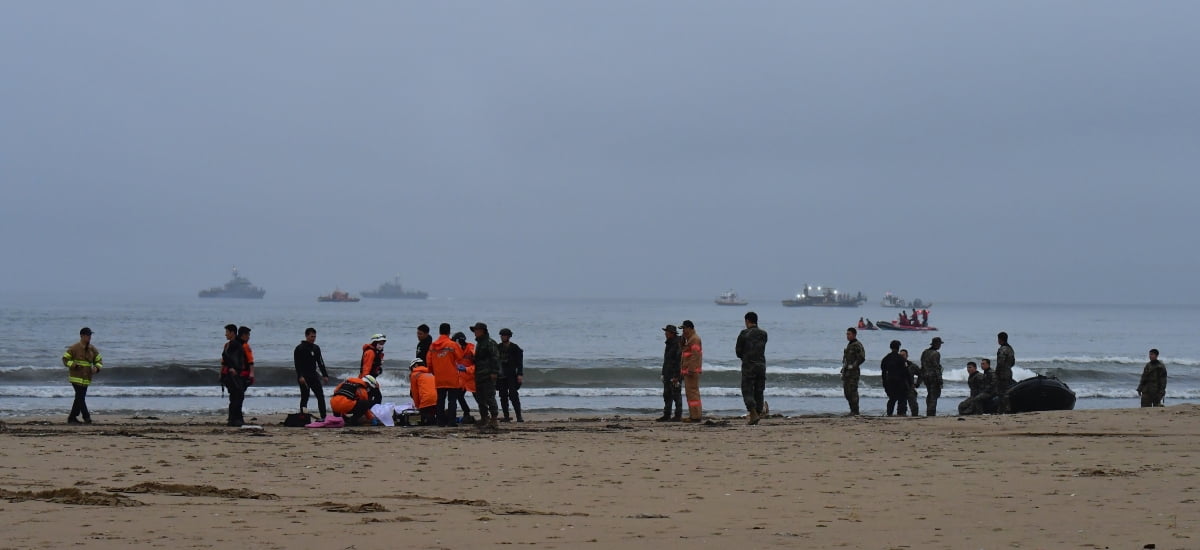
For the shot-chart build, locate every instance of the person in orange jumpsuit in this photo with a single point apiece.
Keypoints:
(690, 367)
(353, 399)
(467, 365)
(372, 357)
(423, 389)
(443, 359)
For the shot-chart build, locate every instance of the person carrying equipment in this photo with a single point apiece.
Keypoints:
(353, 399)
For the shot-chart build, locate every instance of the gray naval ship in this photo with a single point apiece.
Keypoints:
(237, 287)
(393, 289)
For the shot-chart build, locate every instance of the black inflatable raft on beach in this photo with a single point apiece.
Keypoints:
(1040, 393)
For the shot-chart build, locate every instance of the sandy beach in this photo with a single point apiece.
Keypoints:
(1079, 479)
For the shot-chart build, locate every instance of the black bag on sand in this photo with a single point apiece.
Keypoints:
(298, 420)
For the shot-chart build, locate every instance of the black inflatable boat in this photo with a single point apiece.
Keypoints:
(1040, 393)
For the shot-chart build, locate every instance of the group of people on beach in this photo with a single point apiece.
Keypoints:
(683, 359)
(440, 374)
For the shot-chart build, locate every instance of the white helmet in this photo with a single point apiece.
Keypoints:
(371, 381)
(378, 338)
(418, 361)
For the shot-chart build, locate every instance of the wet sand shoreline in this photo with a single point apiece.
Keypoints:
(1096, 478)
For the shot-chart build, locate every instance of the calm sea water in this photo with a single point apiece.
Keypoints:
(582, 356)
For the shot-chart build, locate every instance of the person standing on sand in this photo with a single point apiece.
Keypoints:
(512, 374)
(371, 363)
(1153, 386)
(896, 381)
(82, 360)
(852, 358)
(1005, 360)
(931, 374)
(444, 357)
(487, 370)
(751, 348)
(690, 365)
(914, 375)
(670, 376)
(307, 358)
(466, 368)
(424, 340)
(233, 362)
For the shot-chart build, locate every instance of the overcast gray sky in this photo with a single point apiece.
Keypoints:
(1009, 151)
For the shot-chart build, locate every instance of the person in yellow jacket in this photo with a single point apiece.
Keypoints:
(691, 363)
(82, 360)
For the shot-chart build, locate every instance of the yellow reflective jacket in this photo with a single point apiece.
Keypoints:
(79, 360)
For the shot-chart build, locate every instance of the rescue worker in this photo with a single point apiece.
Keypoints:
(424, 340)
(861, 323)
(444, 358)
(233, 363)
(931, 374)
(487, 370)
(82, 360)
(914, 374)
(423, 390)
(852, 358)
(1153, 385)
(372, 356)
(467, 364)
(975, 384)
(903, 319)
(1005, 360)
(751, 348)
(307, 358)
(896, 381)
(672, 383)
(924, 317)
(353, 399)
(690, 366)
(248, 372)
(512, 374)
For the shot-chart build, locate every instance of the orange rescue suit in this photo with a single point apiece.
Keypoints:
(443, 359)
(343, 405)
(423, 388)
(467, 379)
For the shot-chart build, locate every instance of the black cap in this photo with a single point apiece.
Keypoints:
(481, 326)
(936, 340)
(85, 330)
(671, 329)
(505, 332)
(687, 324)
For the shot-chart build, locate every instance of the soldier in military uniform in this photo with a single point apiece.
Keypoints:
(1005, 359)
(751, 348)
(975, 383)
(852, 358)
(931, 374)
(1153, 385)
(914, 372)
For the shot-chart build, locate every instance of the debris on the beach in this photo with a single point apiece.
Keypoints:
(194, 491)
(352, 508)
(70, 496)
(649, 516)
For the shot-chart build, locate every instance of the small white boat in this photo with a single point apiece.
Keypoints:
(730, 298)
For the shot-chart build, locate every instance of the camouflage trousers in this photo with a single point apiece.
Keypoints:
(932, 393)
(850, 388)
(485, 395)
(1152, 399)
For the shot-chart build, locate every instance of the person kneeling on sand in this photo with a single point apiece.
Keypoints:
(423, 389)
(353, 398)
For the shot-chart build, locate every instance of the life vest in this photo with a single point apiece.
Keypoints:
(354, 389)
(374, 365)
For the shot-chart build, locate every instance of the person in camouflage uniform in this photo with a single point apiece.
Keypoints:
(975, 383)
(1005, 359)
(852, 358)
(487, 370)
(914, 372)
(751, 348)
(931, 374)
(1153, 385)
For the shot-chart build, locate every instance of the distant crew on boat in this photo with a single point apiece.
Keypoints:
(917, 319)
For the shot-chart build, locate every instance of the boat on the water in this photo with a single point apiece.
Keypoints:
(730, 298)
(338, 296)
(817, 296)
(888, 325)
(1040, 393)
(237, 287)
(393, 289)
(892, 300)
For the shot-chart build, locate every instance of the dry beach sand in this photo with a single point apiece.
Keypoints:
(1078, 479)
